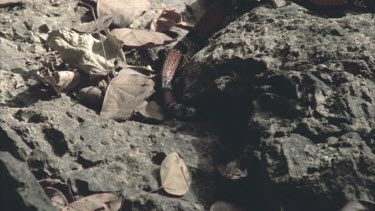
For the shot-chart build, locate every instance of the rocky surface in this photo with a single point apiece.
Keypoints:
(292, 90)
(19, 188)
(69, 146)
(307, 82)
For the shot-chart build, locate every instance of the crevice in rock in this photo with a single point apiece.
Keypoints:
(57, 141)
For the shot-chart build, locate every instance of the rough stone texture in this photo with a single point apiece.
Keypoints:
(19, 188)
(308, 82)
(64, 141)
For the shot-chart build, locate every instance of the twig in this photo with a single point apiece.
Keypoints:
(97, 27)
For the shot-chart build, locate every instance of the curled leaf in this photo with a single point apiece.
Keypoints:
(175, 177)
(123, 11)
(58, 199)
(135, 38)
(165, 20)
(85, 52)
(60, 81)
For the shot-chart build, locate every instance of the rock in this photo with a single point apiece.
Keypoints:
(307, 83)
(58, 138)
(19, 188)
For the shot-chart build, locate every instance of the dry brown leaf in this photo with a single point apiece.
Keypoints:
(4, 3)
(90, 95)
(152, 110)
(58, 199)
(135, 38)
(165, 20)
(185, 25)
(355, 206)
(123, 11)
(101, 201)
(175, 177)
(125, 95)
(60, 81)
(224, 206)
(85, 52)
(91, 27)
(145, 71)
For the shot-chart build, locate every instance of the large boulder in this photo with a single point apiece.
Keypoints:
(308, 84)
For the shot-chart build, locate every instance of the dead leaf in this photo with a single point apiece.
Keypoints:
(175, 177)
(152, 110)
(232, 171)
(358, 206)
(60, 81)
(125, 95)
(85, 52)
(58, 199)
(123, 11)
(4, 3)
(91, 27)
(100, 201)
(136, 38)
(146, 71)
(165, 20)
(90, 95)
(185, 25)
(225, 206)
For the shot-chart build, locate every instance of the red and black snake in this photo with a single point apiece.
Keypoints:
(208, 24)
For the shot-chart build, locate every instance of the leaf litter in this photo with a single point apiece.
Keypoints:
(125, 95)
(137, 38)
(127, 91)
(174, 174)
(124, 12)
(165, 20)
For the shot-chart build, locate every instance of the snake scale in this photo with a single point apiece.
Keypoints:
(208, 24)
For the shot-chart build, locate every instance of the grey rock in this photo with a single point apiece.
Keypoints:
(62, 141)
(308, 84)
(19, 188)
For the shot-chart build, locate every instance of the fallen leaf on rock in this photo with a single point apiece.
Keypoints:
(100, 201)
(123, 11)
(60, 81)
(175, 177)
(4, 3)
(58, 199)
(278, 3)
(147, 71)
(125, 95)
(232, 171)
(136, 38)
(165, 20)
(185, 25)
(91, 27)
(152, 110)
(225, 206)
(90, 95)
(58, 184)
(358, 206)
(84, 51)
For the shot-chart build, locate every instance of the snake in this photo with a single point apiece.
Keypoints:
(210, 22)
